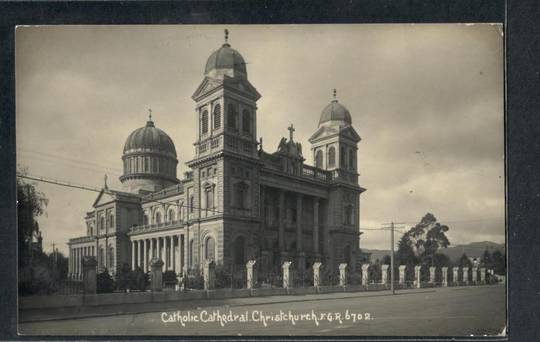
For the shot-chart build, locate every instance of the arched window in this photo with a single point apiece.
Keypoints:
(347, 255)
(349, 215)
(191, 252)
(191, 204)
(181, 211)
(342, 159)
(111, 257)
(101, 257)
(145, 219)
(209, 249)
(217, 116)
(171, 215)
(232, 117)
(111, 221)
(102, 223)
(331, 157)
(246, 121)
(238, 250)
(240, 194)
(351, 159)
(154, 164)
(158, 217)
(319, 159)
(204, 122)
(146, 164)
(209, 197)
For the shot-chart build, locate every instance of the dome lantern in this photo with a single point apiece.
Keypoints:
(225, 61)
(335, 113)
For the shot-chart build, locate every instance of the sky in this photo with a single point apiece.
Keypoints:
(426, 99)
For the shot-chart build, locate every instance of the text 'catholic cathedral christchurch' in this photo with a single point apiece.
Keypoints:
(238, 202)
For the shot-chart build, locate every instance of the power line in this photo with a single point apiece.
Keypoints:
(64, 158)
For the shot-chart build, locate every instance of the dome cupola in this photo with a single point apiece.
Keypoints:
(149, 159)
(335, 114)
(225, 61)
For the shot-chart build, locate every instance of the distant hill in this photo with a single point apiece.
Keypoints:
(473, 249)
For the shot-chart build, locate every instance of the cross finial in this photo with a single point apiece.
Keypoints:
(226, 36)
(105, 182)
(335, 93)
(150, 114)
(291, 130)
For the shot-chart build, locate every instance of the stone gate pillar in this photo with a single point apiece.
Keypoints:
(156, 269)
(444, 276)
(455, 278)
(342, 274)
(384, 276)
(209, 274)
(417, 276)
(287, 276)
(466, 275)
(89, 264)
(402, 274)
(317, 274)
(432, 275)
(250, 274)
(365, 274)
(482, 275)
(474, 275)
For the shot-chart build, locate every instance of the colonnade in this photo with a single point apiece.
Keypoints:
(172, 249)
(76, 255)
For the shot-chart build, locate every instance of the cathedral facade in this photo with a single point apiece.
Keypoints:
(238, 202)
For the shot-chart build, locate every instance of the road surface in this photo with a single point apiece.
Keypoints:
(453, 311)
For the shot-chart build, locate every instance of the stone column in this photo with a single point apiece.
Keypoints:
(342, 274)
(384, 277)
(444, 271)
(365, 274)
(432, 275)
(317, 274)
(281, 232)
(89, 274)
(482, 275)
(209, 274)
(417, 280)
(159, 251)
(156, 265)
(474, 275)
(145, 256)
(316, 226)
(133, 250)
(301, 262)
(455, 271)
(70, 258)
(466, 275)
(402, 274)
(287, 277)
(250, 265)
(77, 260)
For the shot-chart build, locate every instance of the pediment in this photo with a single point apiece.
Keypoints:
(206, 86)
(350, 133)
(243, 86)
(323, 132)
(103, 198)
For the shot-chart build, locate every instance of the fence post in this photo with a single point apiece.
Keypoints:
(432, 275)
(384, 277)
(444, 276)
(466, 275)
(156, 268)
(455, 278)
(89, 274)
(402, 274)
(342, 274)
(250, 273)
(317, 274)
(287, 277)
(482, 275)
(365, 274)
(209, 274)
(474, 275)
(417, 276)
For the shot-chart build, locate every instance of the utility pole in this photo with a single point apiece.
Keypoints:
(392, 226)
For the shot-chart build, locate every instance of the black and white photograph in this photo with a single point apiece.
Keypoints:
(261, 180)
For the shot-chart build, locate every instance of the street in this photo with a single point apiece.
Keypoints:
(452, 311)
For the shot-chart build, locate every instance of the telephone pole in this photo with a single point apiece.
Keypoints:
(391, 226)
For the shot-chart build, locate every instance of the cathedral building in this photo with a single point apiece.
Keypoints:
(239, 201)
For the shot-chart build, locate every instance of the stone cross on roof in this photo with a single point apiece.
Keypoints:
(291, 130)
(150, 114)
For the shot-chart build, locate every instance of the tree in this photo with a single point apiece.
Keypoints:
(486, 260)
(499, 262)
(422, 241)
(464, 261)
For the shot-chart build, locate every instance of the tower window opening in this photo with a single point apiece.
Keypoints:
(319, 159)
(204, 122)
(331, 157)
(217, 116)
(232, 117)
(246, 122)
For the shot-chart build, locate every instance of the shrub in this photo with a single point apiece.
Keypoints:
(169, 277)
(140, 279)
(104, 282)
(125, 278)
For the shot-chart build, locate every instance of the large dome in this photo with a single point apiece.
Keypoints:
(335, 112)
(226, 60)
(149, 139)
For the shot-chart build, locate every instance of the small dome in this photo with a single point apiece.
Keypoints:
(335, 111)
(150, 139)
(228, 59)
